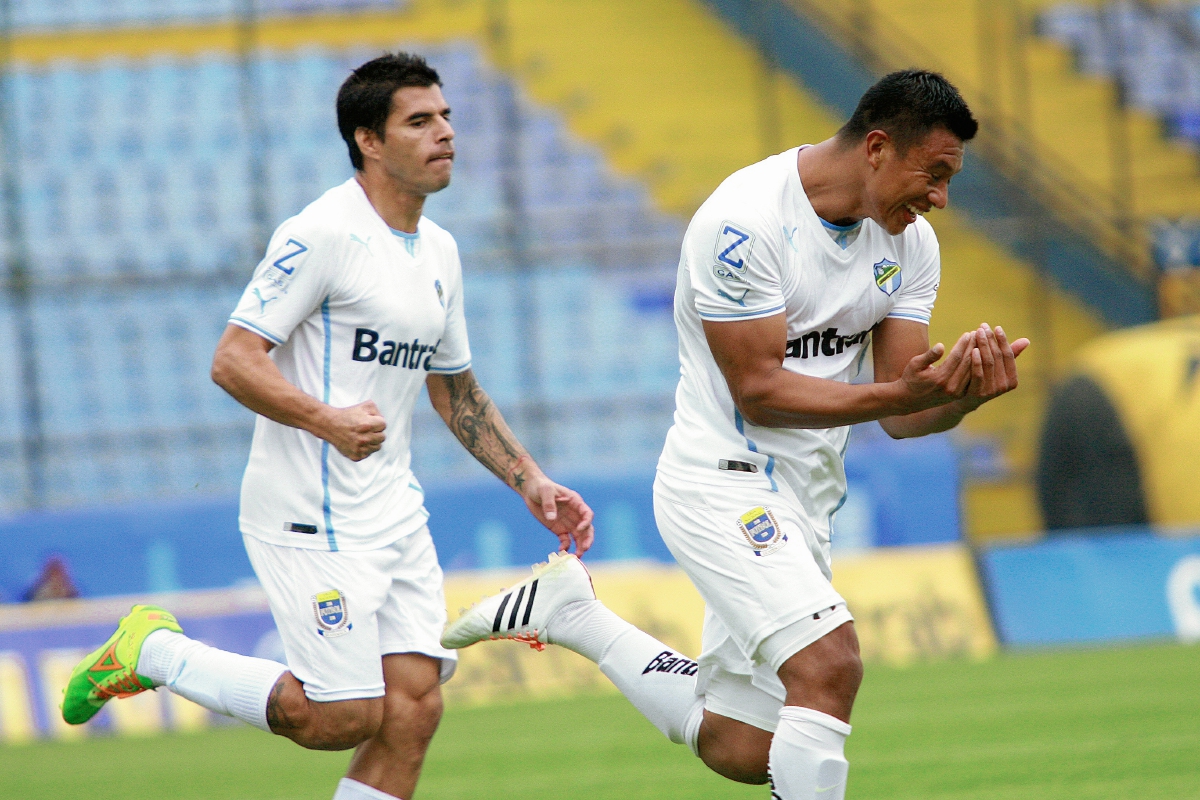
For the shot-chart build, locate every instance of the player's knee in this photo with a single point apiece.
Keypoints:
(414, 717)
(827, 672)
(838, 674)
(844, 671)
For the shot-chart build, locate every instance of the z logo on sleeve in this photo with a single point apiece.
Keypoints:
(286, 260)
(734, 245)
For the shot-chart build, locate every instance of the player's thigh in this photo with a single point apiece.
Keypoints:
(325, 606)
(412, 616)
(752, 556)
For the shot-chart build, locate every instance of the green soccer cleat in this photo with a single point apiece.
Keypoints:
(109, 671)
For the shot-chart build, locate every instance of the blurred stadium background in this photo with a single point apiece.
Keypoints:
(150, 147)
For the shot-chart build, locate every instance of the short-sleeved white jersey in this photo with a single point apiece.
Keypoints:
(756, 248)
(357, 312)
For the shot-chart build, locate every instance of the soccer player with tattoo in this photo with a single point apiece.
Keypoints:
(788, 272)
(356, 306)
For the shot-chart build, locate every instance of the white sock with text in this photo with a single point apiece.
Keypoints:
(658, 681)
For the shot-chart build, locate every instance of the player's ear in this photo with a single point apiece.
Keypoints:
(368, 142)
(877, 142)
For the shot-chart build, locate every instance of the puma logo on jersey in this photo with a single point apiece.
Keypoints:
(740, 299)
(790, 234)
(262, 301)
(410, 355)
(364, 242)
(824, 343)
(666, 661)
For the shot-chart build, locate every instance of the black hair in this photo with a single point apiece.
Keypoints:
(365, 99)
(907, 105)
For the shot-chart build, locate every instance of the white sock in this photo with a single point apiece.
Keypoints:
(658, 681)
(228, 683)
(808, 759)
(350, 789)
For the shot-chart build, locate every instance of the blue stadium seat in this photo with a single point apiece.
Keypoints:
(145, 169)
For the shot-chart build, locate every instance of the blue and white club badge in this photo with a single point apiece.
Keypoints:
(762, 531)
(286, 259)
(733, 248)
(441, 294)
(887, 276)
(332, 612)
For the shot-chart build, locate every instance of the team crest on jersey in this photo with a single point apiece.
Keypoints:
(734, 245)
(727, 274)
(887, 276)
(332, 612)
(761, 530)
(441, 295)
(285, 260)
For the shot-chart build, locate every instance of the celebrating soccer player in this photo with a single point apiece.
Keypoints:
(357, 305)
(789, 270)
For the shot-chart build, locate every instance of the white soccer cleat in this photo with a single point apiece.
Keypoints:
(522, 611)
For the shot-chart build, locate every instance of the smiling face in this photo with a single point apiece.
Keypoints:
(416, 151)
(900, 186)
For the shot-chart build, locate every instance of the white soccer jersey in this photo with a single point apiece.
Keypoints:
(754, 249)
(357, 312)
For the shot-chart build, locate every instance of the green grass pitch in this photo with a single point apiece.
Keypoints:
(1080, 725)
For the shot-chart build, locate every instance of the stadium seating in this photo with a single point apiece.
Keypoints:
(694, 119)
(137, 180)
(38, 15)
(167, 152)
(1069, 119)
(1154, 49)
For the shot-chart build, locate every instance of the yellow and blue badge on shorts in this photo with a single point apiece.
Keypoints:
(333, 614)
(761, 530)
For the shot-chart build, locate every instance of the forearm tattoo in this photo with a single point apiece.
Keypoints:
(477, 423)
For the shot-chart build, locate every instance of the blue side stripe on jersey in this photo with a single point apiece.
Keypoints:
(737, 420)
(846, 493)
(862, 356)
(329, 533)
(707, 315)
(841, 503)
(261, 332)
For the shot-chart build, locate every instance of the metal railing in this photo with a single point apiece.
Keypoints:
(1101, 214)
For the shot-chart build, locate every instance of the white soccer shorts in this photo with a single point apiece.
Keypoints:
(339, 613)
(763, 574)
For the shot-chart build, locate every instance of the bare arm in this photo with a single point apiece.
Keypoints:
(242, 367)
(750, 355)
(993, 372)
(476, 422)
